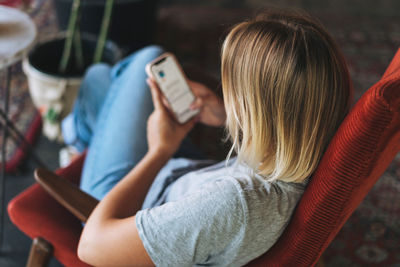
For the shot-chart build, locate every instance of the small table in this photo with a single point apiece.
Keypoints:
(17, 36)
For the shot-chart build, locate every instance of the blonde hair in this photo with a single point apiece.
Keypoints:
(286, 90)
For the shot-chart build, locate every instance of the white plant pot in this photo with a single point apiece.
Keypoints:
(54, 93)
(50, 92)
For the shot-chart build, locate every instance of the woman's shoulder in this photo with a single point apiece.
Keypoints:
(249, 180)
(267, 208)
(262, 209)
(257, 197)
(231, 218)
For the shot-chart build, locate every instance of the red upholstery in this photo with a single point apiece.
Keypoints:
(361, 150)
(37, 214)
(15, 3)
(365, 144)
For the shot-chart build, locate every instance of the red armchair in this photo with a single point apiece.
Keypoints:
(365, 144)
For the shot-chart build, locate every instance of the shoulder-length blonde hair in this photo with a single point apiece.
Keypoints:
(286, 90)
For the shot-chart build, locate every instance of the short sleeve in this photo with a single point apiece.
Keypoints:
(190, 231)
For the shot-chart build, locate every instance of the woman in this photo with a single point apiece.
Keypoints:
(286, 90)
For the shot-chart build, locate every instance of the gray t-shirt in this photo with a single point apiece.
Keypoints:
(214, 216)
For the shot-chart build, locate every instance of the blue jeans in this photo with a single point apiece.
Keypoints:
(110, 117)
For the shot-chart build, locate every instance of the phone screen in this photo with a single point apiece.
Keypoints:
(173, 85)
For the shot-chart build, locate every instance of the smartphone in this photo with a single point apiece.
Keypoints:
(171, 80)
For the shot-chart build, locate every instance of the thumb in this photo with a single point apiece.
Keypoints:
(155, 94)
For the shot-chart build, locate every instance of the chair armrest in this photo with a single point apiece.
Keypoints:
(66, 193)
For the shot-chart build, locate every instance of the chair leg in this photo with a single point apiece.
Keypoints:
(40, 253)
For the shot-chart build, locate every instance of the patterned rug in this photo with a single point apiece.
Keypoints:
(22, 112)
(371, 237)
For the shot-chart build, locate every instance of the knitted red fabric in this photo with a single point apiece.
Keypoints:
(365, 144)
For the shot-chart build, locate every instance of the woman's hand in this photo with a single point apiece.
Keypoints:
(212, 110)
(164, 133)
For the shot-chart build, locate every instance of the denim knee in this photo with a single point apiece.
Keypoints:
(97, 70)
(141, 56)
(151, 51)
(96, 82)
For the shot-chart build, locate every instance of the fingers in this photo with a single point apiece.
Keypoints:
(197, 103)
(155, 94)
(198, 89)
(161, 103)
(166, 104)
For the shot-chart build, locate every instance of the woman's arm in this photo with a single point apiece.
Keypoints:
(110, 236)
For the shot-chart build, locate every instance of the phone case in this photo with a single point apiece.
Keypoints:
(189, 113)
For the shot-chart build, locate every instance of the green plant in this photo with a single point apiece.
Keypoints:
(73, 36)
